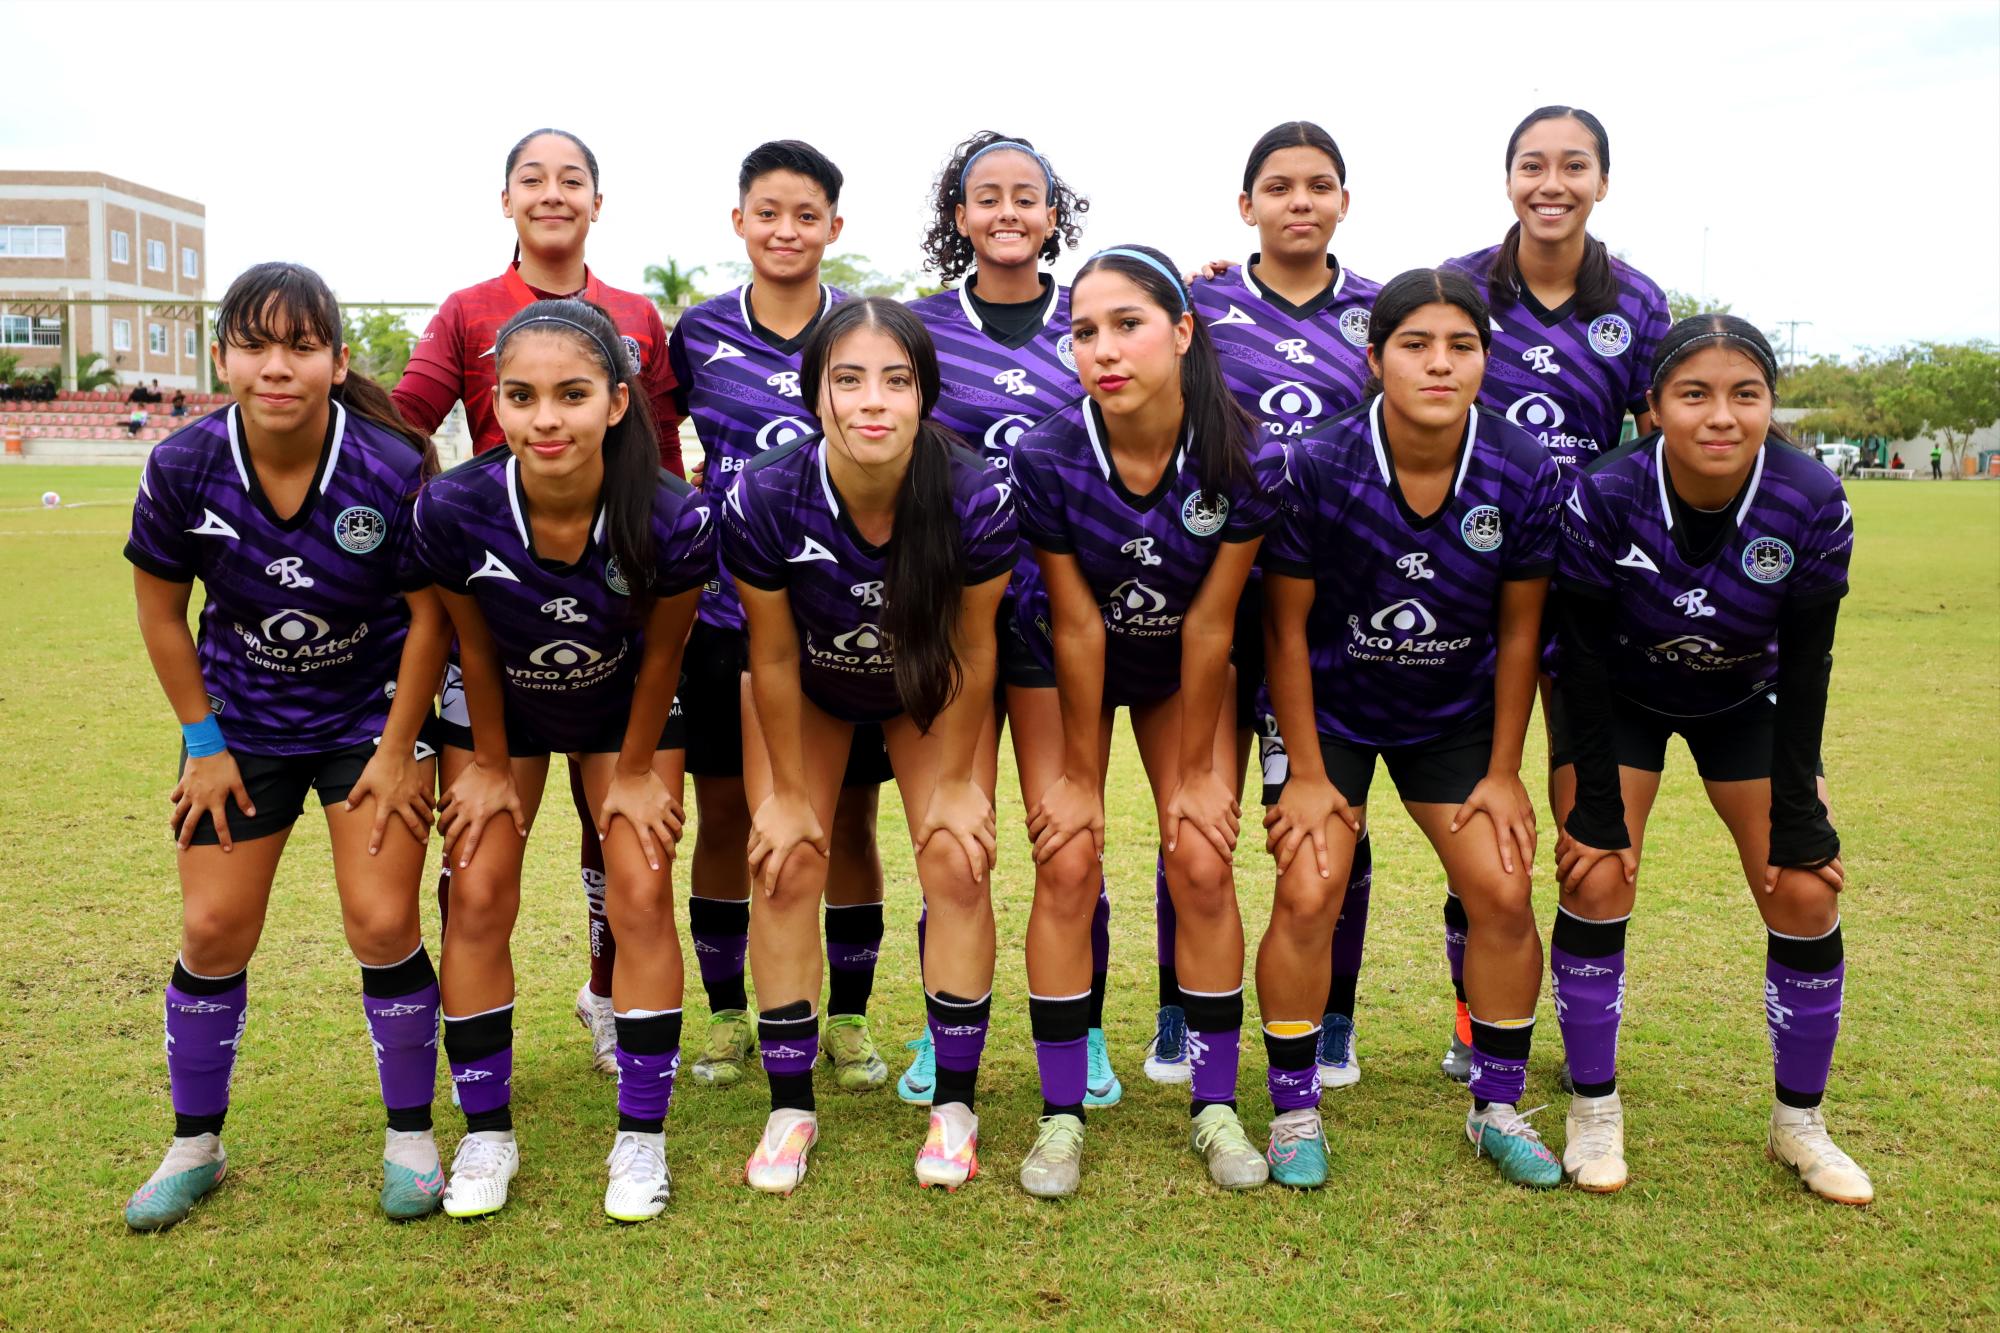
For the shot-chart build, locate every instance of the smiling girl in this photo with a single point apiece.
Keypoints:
(551, 195)
(1403, 599)
(871, 559)
(570, 565)
(292, 508)
(1144, 501)
(1702, 569)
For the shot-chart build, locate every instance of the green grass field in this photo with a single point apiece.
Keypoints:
(1412, 1231)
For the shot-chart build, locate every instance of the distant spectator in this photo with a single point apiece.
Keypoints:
(180, 402)
(136, 422)
(1897, 461)
(1937, 464)
(153, 394)
(138, 394)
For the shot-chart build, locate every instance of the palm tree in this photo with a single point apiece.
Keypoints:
(93, 372)
(668, 285)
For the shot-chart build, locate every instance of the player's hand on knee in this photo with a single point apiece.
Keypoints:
(1575, 860)
(1068, 808)
(644, 802)
(205, 787)
(961, 810)
(778, 827)
(1830, 873)
(481, 793)
(1504, 800)
(1303, 812)
(400, 787)
(1204, 800)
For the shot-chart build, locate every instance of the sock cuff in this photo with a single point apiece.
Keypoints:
(1454, 912)
(1210, 1012)
(854, 923)
(1059, 1019)
(1510, 1039)
(481, 1035)
(655, 1034)
(945, 1007)
(406, 977)
(718, 916)
(1307, 1029)
(1584, 938)
(194, 983)
(1819, 953)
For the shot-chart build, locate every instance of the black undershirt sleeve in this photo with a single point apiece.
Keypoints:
(1598, 818)
(1801, 833)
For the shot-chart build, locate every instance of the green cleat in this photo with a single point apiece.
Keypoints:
(1504, 1135)
(412, 1176)
(1055, 1163)
(1298, 1150)
(731, 1038)
(1233, 1163)
(191, 1168)
(857, 1067)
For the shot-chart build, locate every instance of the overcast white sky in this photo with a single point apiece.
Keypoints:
(1844, 159)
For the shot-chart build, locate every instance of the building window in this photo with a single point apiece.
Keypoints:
(121, 335)
(156, 256)
(188, 348)
(190, 263)
(32, 242)
(121, 247)
(156, 339)
(16, 330)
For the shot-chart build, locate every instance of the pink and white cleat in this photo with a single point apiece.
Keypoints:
(950, 1155)
(779, 1164)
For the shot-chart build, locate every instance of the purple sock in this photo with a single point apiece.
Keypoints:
(789, 1053)
(958, 1035)
(1100, 931)
(649, 1055)
(1587, 975)
(1500, 1062)
(853, 944)
(1215, 1043)
(1293, 1070)
(721, 931)
(1803, 983)
(1455, 926)
(401, 1004)
(205, 1018)
(480, 1048)
(1062, 1050)
(1164, 921)
(923, 920)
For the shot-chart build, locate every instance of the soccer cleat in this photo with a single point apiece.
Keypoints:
(1100, 1086)
(1233, 1162)
(1504, 1134)
(1594, 1144)
(1054, 1163)
(594, 1012)
(1798, 1138)
(950, 1155)
(857, 1067)
(191, 1168)
(779, 1164)
(640, 1184)
(412, 1176)
(731, 1037)
(480, 1170)
(1339, 1067)
(1167, 1054)
(917, 1081)
(1297, 1155)
(1457, 1063)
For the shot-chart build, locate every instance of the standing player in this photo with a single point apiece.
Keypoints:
(1403, 594)
(1291, 327)
(1145, 504)
(736, 359)
(551, 195)
(1702, 570)
(999, 212)
(570, 565)
(292, 509)
(1574, 328)
(870, 560)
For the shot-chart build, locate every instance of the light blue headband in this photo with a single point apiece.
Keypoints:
(1149, 262)
(619, 369)
(1048, 177)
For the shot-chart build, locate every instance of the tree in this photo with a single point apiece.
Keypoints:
(1680, 305)
(1954, 390)
(93, 372)
(1854, 401)
(379, 343)
(669, 285)
(9, 363)
(853, 275)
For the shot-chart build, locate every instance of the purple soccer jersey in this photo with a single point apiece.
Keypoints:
(1292, 367)
(1567, 380)
(785, 527)
(1405, 609)
(1143, 556)
(566, 634)
(742, 394)
(304, 623)
(993, 391)
(1696, 637)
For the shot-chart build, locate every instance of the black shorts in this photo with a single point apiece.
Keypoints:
(1248, 654)
(277, 784)
(1020, 666)
(1440, 771)
(524, 741)
(711, 683)
(1731, 746)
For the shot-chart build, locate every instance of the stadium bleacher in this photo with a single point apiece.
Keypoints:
(99, 416)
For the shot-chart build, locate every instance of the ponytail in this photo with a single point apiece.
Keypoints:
(1597, 286)
(369, 401)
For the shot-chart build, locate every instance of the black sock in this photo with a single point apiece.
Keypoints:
(1456, 920)
(187, 1126)
(1583, 939)
(1212, 1013)
(793, 1024)
(720, 924)
(1170, 986)
(1099, 983)
(475, 1038)
(848, 930)
(1340, 997)
(1292, 1058)
(413, 974)
(656, 1034)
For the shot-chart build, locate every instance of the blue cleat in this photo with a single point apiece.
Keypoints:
(920, 1078)
(1101, 1086)
(1298, 1150)
(191, 1168)
(1339, 1067)
(1167, 1055)
(412, 1176)
(1504, 1135)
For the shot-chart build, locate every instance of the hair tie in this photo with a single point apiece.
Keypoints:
(1151, 263)
(1048, 177)
(1762, 357)
(612, 363)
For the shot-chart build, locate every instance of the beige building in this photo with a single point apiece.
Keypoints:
(121, 265)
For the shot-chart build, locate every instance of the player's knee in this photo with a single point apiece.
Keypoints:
(723, 828)
(1068, 882)
(1202, 883)
(1304, 902)
(480, 904)
(946, 874)
(1501, 910)
(382, 932)
(801, 881)
(641, 903)
(215, 940)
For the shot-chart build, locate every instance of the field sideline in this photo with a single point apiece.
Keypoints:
(1411, 1230)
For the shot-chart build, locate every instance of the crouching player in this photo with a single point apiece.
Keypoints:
(1703, 567)
(570, 564)
(292, 508)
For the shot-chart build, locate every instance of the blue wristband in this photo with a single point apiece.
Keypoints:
(203, 738)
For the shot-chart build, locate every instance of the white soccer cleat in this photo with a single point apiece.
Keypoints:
(950, 1155)
(1798, 1138)
(640, 1184)
(480, 1170)
(779, 1164)
(1594, 1144)
(1339, 1066)
(594, 1012)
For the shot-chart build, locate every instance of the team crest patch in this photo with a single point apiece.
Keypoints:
(360, 529)
(1066, 351)
(632, 353)
(1610, 335)
(1481, 528)
(1354, 325)
(1202, 516)
(1767, 560)
(615, 580)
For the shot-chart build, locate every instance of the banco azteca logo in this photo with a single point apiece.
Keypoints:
(1408, 616)
(1536, 411)
(1003, 433)
(781, 431)
(1289, 398)
(1133, 598)
(863, 638)
(293, 626)
(565, 653)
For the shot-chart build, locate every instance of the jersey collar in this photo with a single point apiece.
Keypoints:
(517, 505)
(1666, 504)
(972, 314)
(329, 458)
(1376, 435)
(786, 346)
(1310, 308)
(1168, 474)
(524, 295)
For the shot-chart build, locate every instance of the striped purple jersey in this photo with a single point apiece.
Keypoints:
(1144, 557)
(304, 621)
(1292, 367)
(1697, 635)
(742, 394)
(567, 634)
(994, 391)
(1404, 615)
(785, 527)
(1565, 379)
